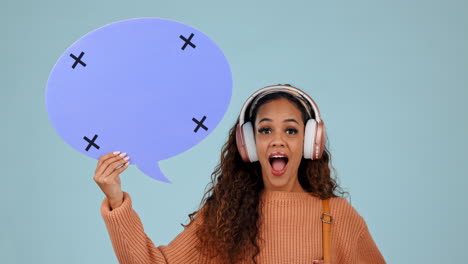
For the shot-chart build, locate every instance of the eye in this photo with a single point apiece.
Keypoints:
(290, 131)
(263, 129)
(294, 131)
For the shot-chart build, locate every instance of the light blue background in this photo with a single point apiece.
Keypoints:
(390, 78)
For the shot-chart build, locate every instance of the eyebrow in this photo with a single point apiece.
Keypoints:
(286, 120)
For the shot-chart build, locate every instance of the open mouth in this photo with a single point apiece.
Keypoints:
(278, 165)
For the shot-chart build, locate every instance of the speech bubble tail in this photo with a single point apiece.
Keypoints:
(151, 169)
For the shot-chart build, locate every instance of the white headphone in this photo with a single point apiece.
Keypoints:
(314, 137)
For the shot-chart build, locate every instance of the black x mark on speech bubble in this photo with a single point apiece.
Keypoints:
(78, 60)
(91, 142)
(187, 41)
(199, 124)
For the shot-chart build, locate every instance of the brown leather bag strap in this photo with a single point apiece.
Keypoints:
(327, 219)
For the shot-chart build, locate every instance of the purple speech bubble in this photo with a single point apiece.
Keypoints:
(150, 87)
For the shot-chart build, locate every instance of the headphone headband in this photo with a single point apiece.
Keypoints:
(279, 88)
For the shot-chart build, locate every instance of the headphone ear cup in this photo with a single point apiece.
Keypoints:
(240, 142)
(320, 140)
(249, 140)
(309, 138)
(245, 142)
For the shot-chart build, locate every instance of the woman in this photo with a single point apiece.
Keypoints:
(254, 212)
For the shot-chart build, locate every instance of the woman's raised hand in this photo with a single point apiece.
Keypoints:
(107, 177)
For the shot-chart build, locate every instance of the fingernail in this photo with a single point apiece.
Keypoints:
(123, 154)
(128, 162)
(127, 158)
(116, 152)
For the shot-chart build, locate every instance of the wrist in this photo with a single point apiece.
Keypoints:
(114, 203)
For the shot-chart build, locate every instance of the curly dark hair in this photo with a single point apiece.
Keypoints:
(230, 207)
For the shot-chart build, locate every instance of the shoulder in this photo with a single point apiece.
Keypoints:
(342, 205)
(344, 213)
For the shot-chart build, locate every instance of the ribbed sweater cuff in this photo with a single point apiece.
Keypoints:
(119, 214)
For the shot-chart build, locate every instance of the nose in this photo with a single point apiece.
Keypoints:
(277, 140)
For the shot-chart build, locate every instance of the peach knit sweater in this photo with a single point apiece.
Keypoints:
(292, 230)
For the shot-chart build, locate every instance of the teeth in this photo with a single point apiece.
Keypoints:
(278, 156)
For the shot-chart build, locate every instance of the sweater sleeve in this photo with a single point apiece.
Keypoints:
(367, 250)
(133, 246)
